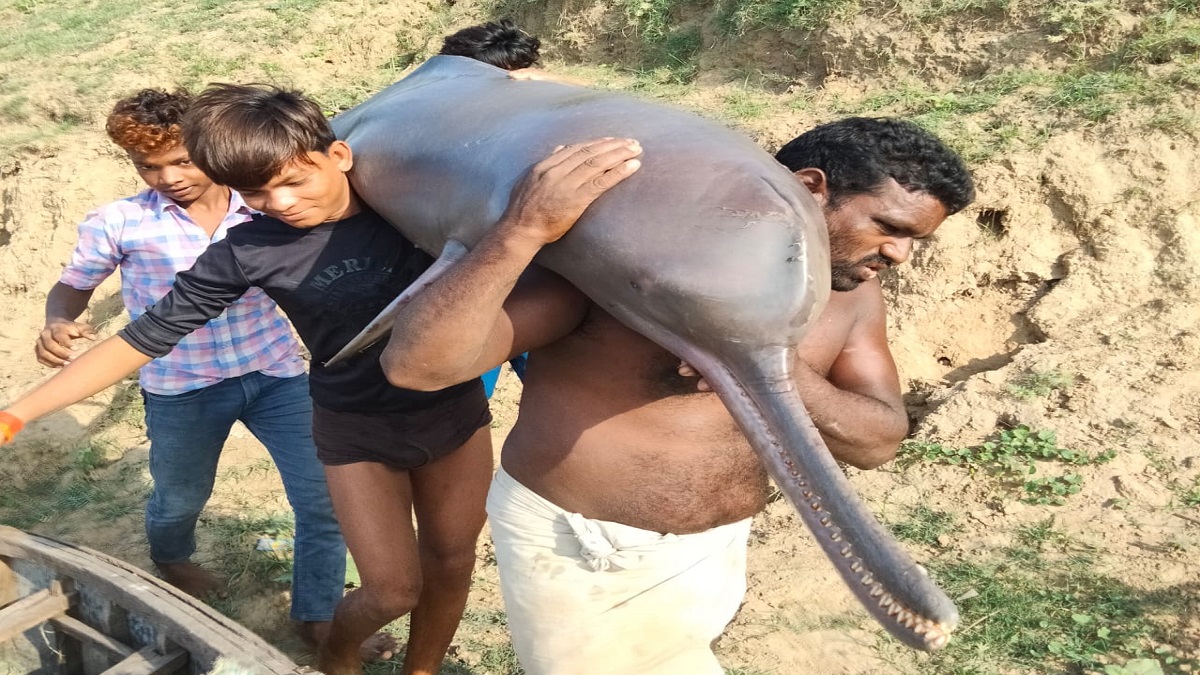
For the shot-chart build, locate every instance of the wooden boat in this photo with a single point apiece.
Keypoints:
(70, 610)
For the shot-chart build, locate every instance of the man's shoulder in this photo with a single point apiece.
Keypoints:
(864, 302)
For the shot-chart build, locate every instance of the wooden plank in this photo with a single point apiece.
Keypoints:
(149, 662)
(86, 633)
(30, 611)
(107, 617)
(8, 584)
(205, 633)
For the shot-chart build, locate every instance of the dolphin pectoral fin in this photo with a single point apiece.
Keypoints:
(381, 325)
(893, 587)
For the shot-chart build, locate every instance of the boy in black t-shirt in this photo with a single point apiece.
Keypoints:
(332, 264)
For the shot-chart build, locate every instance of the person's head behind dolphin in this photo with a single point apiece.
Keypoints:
(500, 44)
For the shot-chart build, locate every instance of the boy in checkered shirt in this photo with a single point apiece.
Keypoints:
(243, 365)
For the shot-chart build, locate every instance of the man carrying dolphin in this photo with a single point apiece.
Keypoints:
(622, 507)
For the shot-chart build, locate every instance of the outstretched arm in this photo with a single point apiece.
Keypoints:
(466, 322)
(95, 370)
(199, 294)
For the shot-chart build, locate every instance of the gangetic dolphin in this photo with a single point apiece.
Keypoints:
(712, 250)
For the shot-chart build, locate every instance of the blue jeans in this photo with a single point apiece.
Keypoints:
(491, 376)
(187, 432)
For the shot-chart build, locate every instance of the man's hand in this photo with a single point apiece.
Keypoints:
(559, 189)
(57, 344)
(686, 370)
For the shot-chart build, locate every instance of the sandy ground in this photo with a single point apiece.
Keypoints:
(1079, 258)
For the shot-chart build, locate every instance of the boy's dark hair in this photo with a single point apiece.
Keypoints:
(148, 121)
(244, 135)
(858, 154)
(500, 44)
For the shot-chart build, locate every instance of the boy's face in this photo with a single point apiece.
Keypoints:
(172, 173)
(305, 195)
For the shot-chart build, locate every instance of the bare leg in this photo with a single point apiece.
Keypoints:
(379, 647)
(192, 579)
(448, 497)
(373, 504)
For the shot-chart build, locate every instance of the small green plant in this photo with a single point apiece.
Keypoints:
(1040, 384)
(1052, 490)
(1191, 496)
(1012, 458)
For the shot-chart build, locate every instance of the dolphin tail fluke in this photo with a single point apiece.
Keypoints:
(381, 325)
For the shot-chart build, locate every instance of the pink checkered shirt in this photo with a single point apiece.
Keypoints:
(150, 238)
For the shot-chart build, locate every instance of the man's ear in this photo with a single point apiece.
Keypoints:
(340, 153)
(814, 180)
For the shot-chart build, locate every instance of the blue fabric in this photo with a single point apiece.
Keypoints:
(187, 432)
(490, 377)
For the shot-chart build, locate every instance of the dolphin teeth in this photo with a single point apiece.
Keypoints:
(835, 535)
(886, 602)
(847, 550)
(867, 579)
(807, 494)
(894, 609)
(856, 567)
(816, 505)
(825, 521)
(876, 591)
(921, 628)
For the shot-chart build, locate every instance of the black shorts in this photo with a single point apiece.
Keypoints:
(401, 440)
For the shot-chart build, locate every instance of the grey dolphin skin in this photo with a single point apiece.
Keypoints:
(712, 250)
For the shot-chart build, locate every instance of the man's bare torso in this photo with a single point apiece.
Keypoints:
(609, 429)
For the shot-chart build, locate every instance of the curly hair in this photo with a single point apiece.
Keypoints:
(499, 44)
(150, 121)
(858, 154)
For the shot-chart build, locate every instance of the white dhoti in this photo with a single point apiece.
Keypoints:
(592, 596)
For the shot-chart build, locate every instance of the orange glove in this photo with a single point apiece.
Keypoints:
(9, 426)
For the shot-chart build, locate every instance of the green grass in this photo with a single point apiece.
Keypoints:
(1012, 458)
(1042, 605)
(925, 526)
(1040, 384)
(49, 30)
(47, 501)
(739, 16)
(236, 552)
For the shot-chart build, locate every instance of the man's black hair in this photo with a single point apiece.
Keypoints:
(859, 154)
(500, 44)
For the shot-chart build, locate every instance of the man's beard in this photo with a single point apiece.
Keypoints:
(848, 276)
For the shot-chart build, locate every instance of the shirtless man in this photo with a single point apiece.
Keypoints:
(622, 507)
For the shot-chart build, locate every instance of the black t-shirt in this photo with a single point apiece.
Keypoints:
(330, 280)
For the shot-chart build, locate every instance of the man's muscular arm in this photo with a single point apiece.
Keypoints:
(858, 406)
(466, 322)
